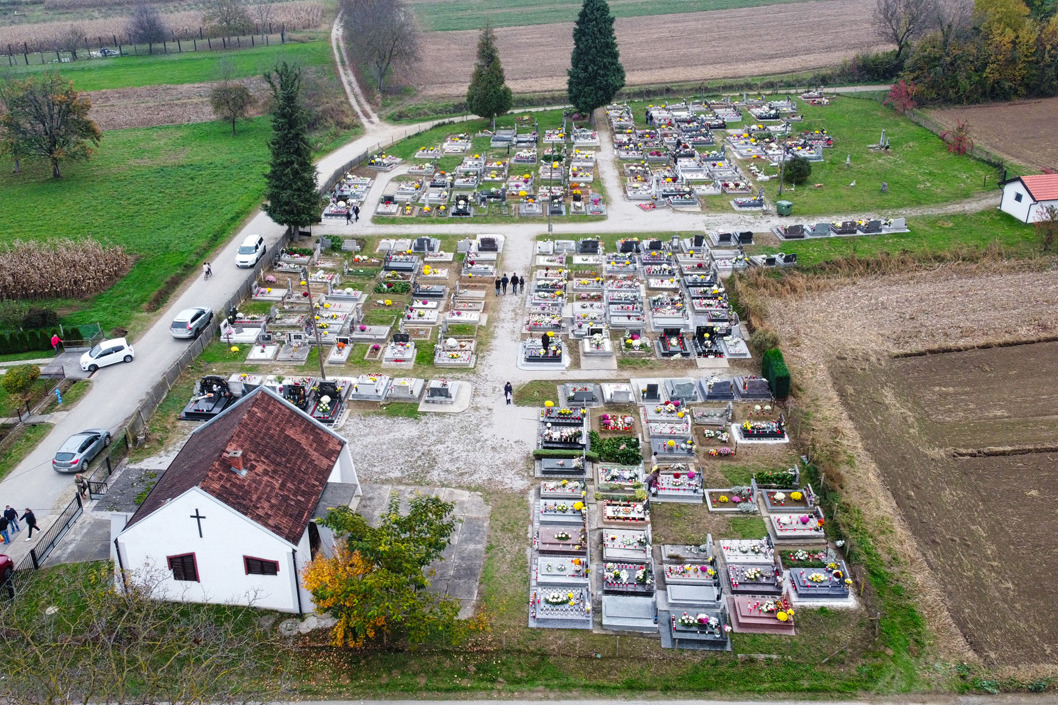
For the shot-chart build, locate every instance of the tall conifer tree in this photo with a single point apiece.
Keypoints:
(291, 179)
(595, 73)
(488, 95)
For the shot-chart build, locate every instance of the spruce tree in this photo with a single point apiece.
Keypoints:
(595, 73)
(488, 95)
(293, 200)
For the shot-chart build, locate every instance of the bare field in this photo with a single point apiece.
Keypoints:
(973, 534)
(665, 48)
(1021, 131)
(151, 106)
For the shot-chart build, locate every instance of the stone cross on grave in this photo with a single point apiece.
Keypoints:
(198, 517)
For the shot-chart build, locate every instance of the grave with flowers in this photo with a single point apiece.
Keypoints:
(455, 352)
(406, 389)
(562, 437)
(623, 513)
(571, 490)
(671, 343)
(797, 529)
(770, 432)
(555, 571)
(328, 400)
(679, 482)
(673, 447)
(560, 511)
(562, 539)
(827, 584)
(399, 352)
(540, 355)
(623, 578)
(716, 389)
(370, 387)
(626, 545)
(669, 420)
(560, 608)
(761, 615)
(634, 344)
(764, 578)
(619, 479)
(796, 500)
(620, 264)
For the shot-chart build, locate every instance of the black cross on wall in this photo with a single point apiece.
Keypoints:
(198, 517)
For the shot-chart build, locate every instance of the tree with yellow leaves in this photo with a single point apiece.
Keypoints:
(376, 584)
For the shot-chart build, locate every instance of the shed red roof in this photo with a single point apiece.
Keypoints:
(1042, 187)
(287, 456)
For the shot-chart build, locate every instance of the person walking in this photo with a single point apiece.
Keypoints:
(356, 214)
(349, 217)
(207, 271)
(498, 286)
(56, 341)
(508, 392)
(3, 530)
(81, 484)
(31, 521)
(12, 519)
(514, 283)
(504, 282)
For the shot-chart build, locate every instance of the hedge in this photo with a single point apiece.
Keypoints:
(610, 450)
(556, 453)
(773, 368)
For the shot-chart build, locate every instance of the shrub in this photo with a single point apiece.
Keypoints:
(797, 170)
(18, 380)
(618, 449)
(336, 243)
(773, 368)
(40, 318)
(12, 314)
(764, 339)
(782, 479)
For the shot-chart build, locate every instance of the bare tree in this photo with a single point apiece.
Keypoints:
(903, 21)
(953, 19)
(227, 18)
(69, 637)
(263, 15)
(231, 100)
(71, 39)
(146, 26)
(382, 35)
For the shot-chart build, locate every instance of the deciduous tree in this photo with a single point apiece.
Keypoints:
(902, 97)
(70, 40)
(958, 138)
(291, 178)
(991, 15)
(797, 170)
(903, 21)
(46, 117)
(376, 585)
(146, 26)
(595, 74)
(228, 18)
(382, 35)
(231, 100)
(19, 379)
(488, 95)
(1046, 228)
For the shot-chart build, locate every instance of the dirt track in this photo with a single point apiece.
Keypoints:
(669, 48)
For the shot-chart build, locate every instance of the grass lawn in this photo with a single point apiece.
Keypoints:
(26, 439)
(190, 67)
(168, 195)
(928, 234)
(918, 169)
(443, 17)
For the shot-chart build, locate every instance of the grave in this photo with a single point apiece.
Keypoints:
(562, 437)
(400, 352)
(339, 353)
(407, 389)
(697, 629)
(581, 394)
(761, 431)
(212, 396)
(626, 479)
(679, 485)
(559, 511)
(297, 391)
(712, 416)
(683, 390)
(562, 540)
(573, 466)
(626, 545)
(735, 500)
(617, 393)
(735, 348)
(368, 334)
(752, 388)
(440, 391)
(672, 447)
(418, 316)
(429, 291)
(800, 529)
(553, 571)
(630, 614)
(747, 550)
(846, 227)
(758, 615)
(462, 207)
(328, 400)
(671, 343)
(296, 348)
(870, 227)
(623, 513)
(830, 582)
(716, 389)
(242, 384)
(754, 579)
(535, 356)
(560, 609)
(628, 578)
(455, 352)
(370, 388)
(650, 392)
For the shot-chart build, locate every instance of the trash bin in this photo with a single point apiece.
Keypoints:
(783, 207)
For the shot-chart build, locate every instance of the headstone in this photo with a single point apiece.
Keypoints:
(654, 245)
(651, 394)
(401, 338)
(488, 244)
(745, 237)
(699, 240)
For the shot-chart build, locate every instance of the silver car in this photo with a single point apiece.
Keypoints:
(190, 322)
(80, 449)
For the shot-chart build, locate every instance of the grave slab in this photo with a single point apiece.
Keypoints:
(460, 394)
(629, 614)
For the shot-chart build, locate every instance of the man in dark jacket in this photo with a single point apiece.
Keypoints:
(31, 521)
(12, 519)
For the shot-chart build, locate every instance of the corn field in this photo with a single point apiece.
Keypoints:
(183, 25)
(63, 269)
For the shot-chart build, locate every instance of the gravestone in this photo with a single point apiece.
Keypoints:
(654, 245)
(794, 232)
(699, 240)
(488, 244)
(745, 237)
(724, 238)
(588, 247)
(652, 392)
(401, 338)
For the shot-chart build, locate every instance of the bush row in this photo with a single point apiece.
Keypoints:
(21, 341)
(773, 368)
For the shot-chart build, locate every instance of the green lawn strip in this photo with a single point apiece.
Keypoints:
(70, 396)
(929, 234)
(168, 195)
(26, 439)
(748, 528)
(535, 393)
(918, 169)
(31, 355)
(444, 17)
(180, 68)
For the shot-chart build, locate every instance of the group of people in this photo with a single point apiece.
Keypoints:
(352, 215)
(514, 281)
(9, 523)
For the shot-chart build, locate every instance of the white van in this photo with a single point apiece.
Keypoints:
(250, 251)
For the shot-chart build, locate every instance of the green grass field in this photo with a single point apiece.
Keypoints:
(167, 194)
(445, 16)
(188, 67)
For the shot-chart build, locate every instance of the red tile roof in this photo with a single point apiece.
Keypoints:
(1042, 187)
(288, 458)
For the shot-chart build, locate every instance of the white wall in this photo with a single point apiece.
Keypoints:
(1014, 208)
(344, 470)
(227, 536)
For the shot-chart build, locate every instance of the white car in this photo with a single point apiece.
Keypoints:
(250, 251)
(107, 352)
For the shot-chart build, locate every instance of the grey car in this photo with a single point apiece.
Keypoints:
(79, 449)
(190, 322)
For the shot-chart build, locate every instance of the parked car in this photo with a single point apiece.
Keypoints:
(7, 569)
(190, 322)
(80, 449)
(250, 251)
(107, 352)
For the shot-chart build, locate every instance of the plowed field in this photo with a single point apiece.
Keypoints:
(666, 48)
(1022, 131)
